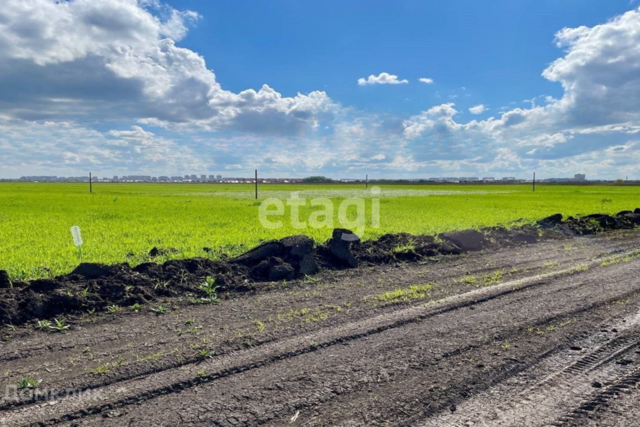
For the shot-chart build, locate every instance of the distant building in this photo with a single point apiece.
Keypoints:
(580, 177)
(219, 177)
(488, 179)
(509, 179)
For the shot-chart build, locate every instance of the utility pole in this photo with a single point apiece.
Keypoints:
(366, 181)
(534, 182)
(90, 184)
(256, 184)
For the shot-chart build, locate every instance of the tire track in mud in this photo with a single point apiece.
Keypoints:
(468, 388)
(601, 400)
(617, 405)
(547, 400)
(150, 388)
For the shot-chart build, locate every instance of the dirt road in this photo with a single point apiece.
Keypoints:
(546, 334)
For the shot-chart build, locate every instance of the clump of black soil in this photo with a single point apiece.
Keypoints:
(97, 287)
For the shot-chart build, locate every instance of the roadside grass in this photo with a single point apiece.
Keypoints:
(105, 368)
(580, 268)
(413, 292)
(28, 383)
(493, 278)
(620, 259)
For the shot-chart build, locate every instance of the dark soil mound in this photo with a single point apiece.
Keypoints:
(156, 252)
(391, 248)
(95, 287)
(597, 223)
(508, 237)
(280, 259)
(467, 240)
(5, 281)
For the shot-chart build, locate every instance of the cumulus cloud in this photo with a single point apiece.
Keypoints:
(478, 109)
(436, 120)
(59, 58)
(57, 147)
(600, 72)
(381, 79)
(426, 80)
(600, 108)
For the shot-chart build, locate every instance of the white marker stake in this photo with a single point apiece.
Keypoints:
(77, 239)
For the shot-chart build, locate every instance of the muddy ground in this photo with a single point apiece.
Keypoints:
(522, 334)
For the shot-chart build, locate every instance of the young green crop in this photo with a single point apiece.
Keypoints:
(122, 222)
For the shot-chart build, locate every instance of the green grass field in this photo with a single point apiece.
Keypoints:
(122, 222)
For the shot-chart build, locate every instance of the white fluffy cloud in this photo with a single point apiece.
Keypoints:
(59, 58)
(600, 109)
(478, 109)
(426, 80)
(381, 79)
(30, 148)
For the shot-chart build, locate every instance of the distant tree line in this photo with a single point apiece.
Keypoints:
(316, 179)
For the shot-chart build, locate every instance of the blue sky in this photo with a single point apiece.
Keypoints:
(175, 87)
(495, 49)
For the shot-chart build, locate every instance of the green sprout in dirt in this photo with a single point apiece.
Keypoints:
(469, 280)
(413, 292)
(409, 247)
(136, 307)
(28, 383)
(58, 325)
(160, 310)
(43, 325)
(493, 278)
(260, 325)
(100, 370)
(210, 288)
(205, 353)
(113, 309)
